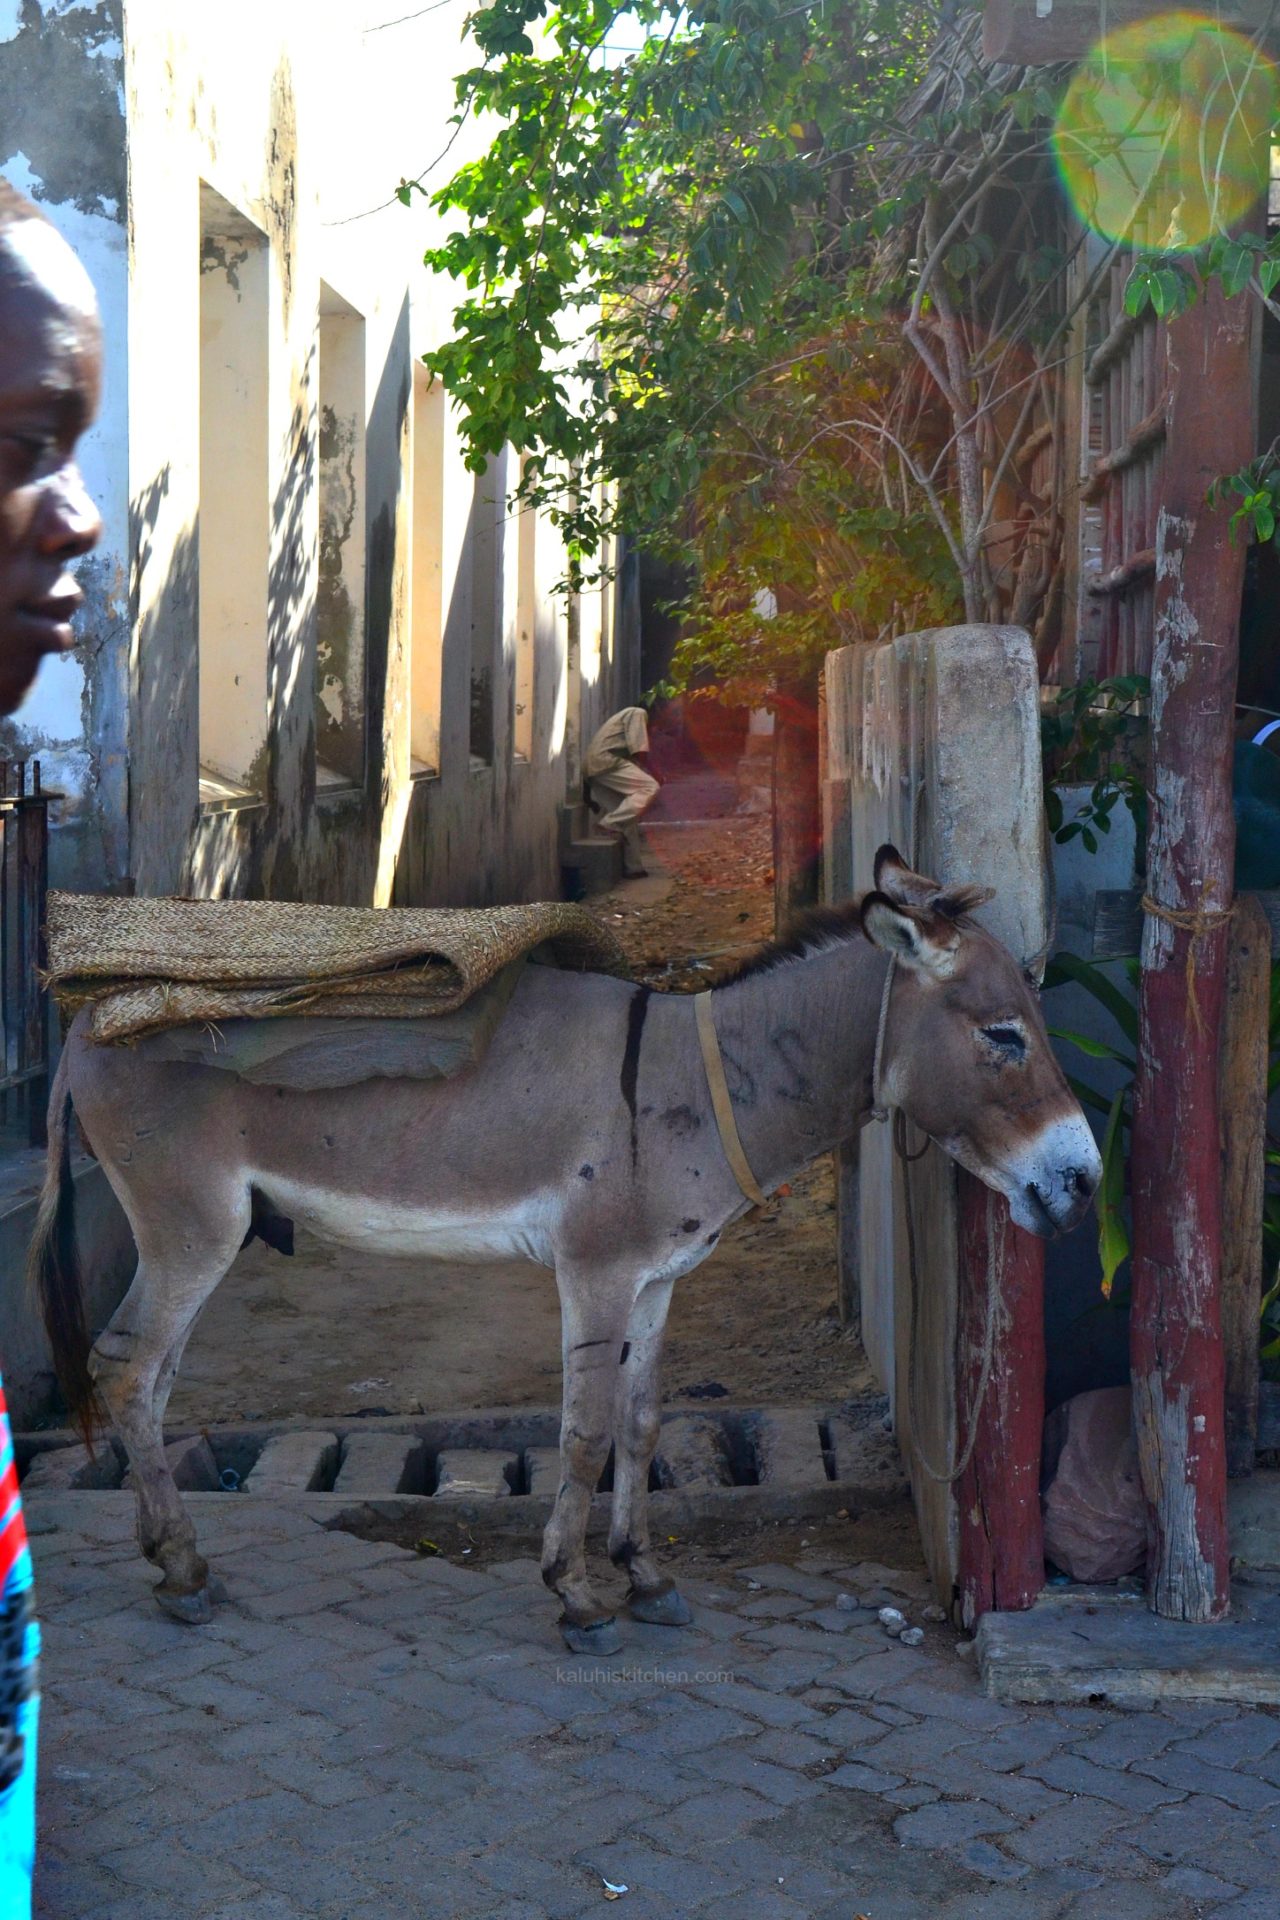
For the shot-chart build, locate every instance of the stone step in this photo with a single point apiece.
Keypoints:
(596, 863)
(542, 1471)
(692, 1453)
(192, 1465)
(474, 1473)
(74, 1470)
(376, 1465)
(867, 1456)
(294, 1463)
(789, 1449)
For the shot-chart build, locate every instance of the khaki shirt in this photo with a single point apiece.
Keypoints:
(622, 735)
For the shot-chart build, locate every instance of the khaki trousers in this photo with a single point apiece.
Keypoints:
(632, 792)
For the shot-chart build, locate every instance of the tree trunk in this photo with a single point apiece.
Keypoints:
(797, 808)
(1176, 1355)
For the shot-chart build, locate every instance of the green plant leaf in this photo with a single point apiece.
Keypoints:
(1089, 975)
(1096, 1049)
(1113, 1234)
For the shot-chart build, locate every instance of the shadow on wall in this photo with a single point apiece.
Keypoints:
(164, 788)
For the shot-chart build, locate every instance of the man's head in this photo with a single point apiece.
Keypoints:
(50, 377)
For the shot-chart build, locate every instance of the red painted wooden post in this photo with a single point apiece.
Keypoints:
(1176, 1353)
(1001, 1546)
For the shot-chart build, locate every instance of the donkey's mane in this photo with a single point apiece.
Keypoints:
(809, 932)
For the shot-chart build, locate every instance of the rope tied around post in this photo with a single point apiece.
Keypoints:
(1199, 922)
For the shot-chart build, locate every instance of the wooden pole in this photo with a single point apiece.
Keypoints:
(1001, 1544)
(1244, 1143)
(1176, 1356)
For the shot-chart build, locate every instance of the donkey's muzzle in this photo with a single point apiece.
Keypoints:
(1060, 1203)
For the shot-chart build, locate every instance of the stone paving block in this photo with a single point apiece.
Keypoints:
(73, 1470)
(294, 1463)
(1070, 1832)
(559, 1893)
(868, 1458)
(789, 1748)
(780, 1579)
(1258, 1904)
(738, 1765)
(376, 1465)
(985, 1859)
(1186, 1771)
(1135, 1899)
(912, 1796)
(723, 1812)
(1236, 1742)
(949, 1823)
(774, 1710)
(678, 1727)
(474, 1473)
(1132, 1790)
(691, 1453)
(186, 1880)
(1193, 1884)
(192, 1465)
(643, 1868)
(542, 1471)
(788, 1448)
(866, 1779)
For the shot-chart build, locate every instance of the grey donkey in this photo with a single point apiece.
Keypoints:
(586, 1140)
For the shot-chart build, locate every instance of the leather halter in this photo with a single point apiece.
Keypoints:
(722, 1105)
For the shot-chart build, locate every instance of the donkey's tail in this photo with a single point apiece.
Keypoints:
(53, 1264)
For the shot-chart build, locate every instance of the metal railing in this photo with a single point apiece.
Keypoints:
(24, 879)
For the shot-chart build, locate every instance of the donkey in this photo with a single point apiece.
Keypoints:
(586, 1140)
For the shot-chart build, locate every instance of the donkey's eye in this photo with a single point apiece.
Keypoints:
(1009, 1042)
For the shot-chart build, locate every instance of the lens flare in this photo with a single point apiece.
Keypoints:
(1162, 138)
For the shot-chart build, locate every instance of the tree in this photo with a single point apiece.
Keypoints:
(668, 303)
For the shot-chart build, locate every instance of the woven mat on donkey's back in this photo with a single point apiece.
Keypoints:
(145, 965)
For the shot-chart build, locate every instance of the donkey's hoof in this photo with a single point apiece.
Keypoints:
(664, 1607)
(600, 1637)
(192, 1609)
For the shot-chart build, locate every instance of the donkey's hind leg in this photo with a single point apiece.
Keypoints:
(133, 1363)
(593, 1314)
(637, 1421)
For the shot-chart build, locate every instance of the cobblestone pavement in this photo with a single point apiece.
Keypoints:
(364, 1734)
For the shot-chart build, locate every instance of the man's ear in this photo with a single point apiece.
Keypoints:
(922, 941)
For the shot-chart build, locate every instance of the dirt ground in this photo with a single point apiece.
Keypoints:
(331, 1333)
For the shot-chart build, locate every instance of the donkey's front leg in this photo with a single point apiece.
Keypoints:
(637, 1421)
(592, 1319)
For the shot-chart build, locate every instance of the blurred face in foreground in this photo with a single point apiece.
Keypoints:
(50, 379)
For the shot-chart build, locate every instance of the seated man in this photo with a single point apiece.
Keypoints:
(625, 789)
(50, 373)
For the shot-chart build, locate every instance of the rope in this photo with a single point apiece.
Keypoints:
(1198, 922)
(995, 1281)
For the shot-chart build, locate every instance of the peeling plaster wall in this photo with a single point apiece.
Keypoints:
(298, 118)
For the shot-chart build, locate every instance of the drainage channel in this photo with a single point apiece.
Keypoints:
(484, 1457)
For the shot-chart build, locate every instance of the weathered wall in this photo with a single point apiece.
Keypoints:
(299, 115)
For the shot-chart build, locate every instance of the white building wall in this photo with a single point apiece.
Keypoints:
(302, 115)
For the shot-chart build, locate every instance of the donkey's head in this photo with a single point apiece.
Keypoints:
(965, 1053)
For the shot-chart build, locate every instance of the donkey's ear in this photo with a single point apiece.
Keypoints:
(895, 879)
(924, 942)
(954, 901)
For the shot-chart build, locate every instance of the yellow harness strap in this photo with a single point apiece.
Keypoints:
(720, 1101)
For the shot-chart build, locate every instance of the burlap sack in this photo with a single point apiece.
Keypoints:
(145, 965)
